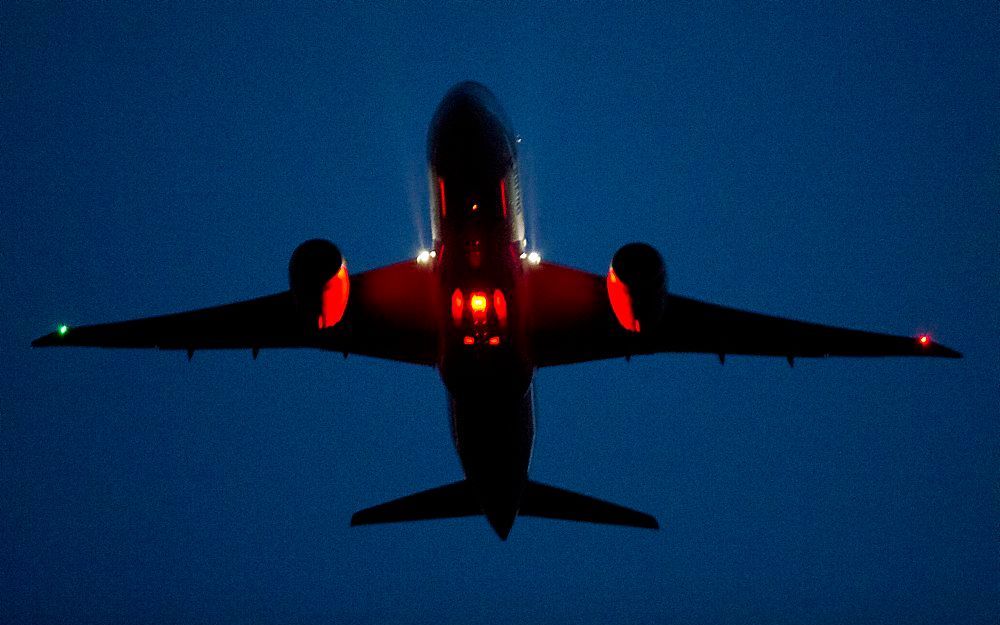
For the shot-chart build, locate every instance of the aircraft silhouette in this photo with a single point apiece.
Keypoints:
(487, 312)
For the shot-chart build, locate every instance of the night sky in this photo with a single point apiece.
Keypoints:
(834, 164)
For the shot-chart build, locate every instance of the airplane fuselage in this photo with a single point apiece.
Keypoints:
(486, 313)
(479, 258)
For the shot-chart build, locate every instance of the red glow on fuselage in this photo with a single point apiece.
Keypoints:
(503, 197)
(456, 307)
(334, 302)
(444, 207)
(500, 306)
(621, 302)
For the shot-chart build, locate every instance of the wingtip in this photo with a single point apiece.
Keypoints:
(647, 522)
(944, 352)
(45, 341)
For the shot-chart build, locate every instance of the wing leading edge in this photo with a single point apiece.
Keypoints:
(389, 315)
(572, 321)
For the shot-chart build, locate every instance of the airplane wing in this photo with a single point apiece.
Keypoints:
(570, 320)
(390, 314)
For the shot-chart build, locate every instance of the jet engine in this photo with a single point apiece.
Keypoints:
(637, 286)
(317, 277)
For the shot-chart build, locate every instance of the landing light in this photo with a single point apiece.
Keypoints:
(534, 258)
(424, 257)
(468, 340)
(494, 340)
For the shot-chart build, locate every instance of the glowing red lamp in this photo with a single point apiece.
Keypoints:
(334, 302)
(456, 307)
(478, 304)
(621, 302)
(500, 305)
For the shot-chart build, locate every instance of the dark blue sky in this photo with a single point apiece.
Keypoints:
(829, 163)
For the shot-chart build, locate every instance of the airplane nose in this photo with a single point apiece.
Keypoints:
(469, 135)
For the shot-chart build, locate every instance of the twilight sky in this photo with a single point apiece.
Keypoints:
(835, 164)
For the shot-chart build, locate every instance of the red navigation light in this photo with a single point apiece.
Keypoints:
(924, 340)
(494, 340)
(500, 305)
(621, 302)
(478, 304)
(334, 302)
(444, 207)
(468, 340)
(456, 307)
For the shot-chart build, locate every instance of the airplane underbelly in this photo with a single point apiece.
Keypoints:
(494, 440)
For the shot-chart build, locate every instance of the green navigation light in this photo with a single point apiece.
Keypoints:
(63, 330)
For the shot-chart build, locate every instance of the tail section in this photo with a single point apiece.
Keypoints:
(539, 500)
(451, 500)
(542, 500)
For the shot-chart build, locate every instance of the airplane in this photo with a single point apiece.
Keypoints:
(487, 312)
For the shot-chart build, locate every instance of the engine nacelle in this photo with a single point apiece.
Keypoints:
(317, 278)
(637, 286)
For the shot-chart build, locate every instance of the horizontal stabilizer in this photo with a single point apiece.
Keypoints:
(542, 500)
(450, 500)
